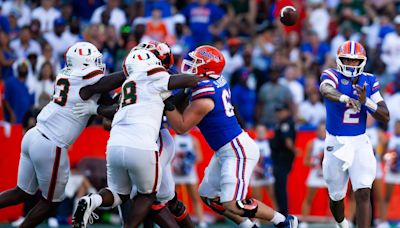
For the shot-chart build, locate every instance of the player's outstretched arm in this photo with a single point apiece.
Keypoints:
(193, 114)
(105, 84)
(178, 81)
(329, 92)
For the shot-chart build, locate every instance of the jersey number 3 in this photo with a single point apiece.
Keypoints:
(226, 99)
(128, 93)
(61, 92)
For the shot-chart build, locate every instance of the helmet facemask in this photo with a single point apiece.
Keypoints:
(191, 66)
(349, 70)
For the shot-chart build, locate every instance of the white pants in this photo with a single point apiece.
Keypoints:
(43, 165)
(361, 171)
(167, 152)
(128, 166)
(228, 173)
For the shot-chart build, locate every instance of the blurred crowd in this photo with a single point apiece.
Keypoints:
(268, 65)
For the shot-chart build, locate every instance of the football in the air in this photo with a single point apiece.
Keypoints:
(288, 15)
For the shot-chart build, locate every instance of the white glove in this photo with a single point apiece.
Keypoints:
(85, 108)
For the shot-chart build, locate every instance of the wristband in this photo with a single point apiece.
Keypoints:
(344, 98)
(371, 105)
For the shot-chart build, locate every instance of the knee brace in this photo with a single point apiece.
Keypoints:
(214, 204)
(177, 208)
(248, 206)
(117, 199)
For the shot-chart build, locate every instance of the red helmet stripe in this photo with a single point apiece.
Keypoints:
(80, 51)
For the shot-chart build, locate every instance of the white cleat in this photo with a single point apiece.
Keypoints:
(84, 213)
(18, 222)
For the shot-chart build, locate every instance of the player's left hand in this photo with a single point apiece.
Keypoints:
(85, 108)
(361, 94)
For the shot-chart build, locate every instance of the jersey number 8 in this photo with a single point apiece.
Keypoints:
(128, 94)
(226, 99)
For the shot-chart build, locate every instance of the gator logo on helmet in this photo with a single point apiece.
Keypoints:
(209, 55)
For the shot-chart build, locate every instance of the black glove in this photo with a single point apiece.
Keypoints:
(169, 106)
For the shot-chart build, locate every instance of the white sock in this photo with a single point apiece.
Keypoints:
(246, 224)
(278, 218)
(97, 200)
(344, 224)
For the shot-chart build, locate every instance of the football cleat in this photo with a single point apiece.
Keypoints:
(290, 222)
(84, 213)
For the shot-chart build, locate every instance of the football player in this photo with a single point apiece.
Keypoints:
(349, 93)
(44, 160)
(132, 151)
(224, 186)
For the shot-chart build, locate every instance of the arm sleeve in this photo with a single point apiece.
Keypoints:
(202, 90)
(329, 77)
(375, 94)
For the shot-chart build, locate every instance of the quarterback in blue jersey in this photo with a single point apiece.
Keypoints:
(225, 183)
(349, 93)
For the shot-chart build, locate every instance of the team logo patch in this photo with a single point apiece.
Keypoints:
(209, 55)
(344, 81)
(329, 148)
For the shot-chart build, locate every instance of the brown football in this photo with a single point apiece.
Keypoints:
(288, 15)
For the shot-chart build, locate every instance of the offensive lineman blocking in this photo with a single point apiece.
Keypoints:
(224, 186)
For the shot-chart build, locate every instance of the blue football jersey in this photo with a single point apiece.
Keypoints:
(342, 120)
(220, 125)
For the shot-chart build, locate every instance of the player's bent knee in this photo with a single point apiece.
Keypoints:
(363, 194)
(117, 199)
(337, 196)
(214, 204)
(249, 207)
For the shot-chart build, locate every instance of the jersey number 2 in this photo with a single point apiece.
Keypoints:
(226, 99)
(61, 95)
(351, 116)
(129, 94)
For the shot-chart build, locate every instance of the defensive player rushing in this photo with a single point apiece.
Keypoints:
(44, 160)
(348, 94)
(132, 151)
(224, 187)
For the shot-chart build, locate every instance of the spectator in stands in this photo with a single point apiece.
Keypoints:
(4, 24)
(390, 49)
(60, 39)
(244, 91)
(205, 20)
(156, 28)
(117, 16)
(319, 18)
(352, 11)
(6, 113)
(46, 14)
(313, 50)
(264, 48)
(17, 94)
(36, 34)
(233, 58)
(283, 152)
(182, 37)
(20, 9)
(47, 56)
(44, 87)
(271, 95)
(291, 76)
(13, 28)
(311, 111)
(24, 45)
(84, 9)
(7, 56)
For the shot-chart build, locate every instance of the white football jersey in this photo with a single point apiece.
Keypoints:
(137, 122)
(56, 120)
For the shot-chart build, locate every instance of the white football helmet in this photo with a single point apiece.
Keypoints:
(83, 55)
